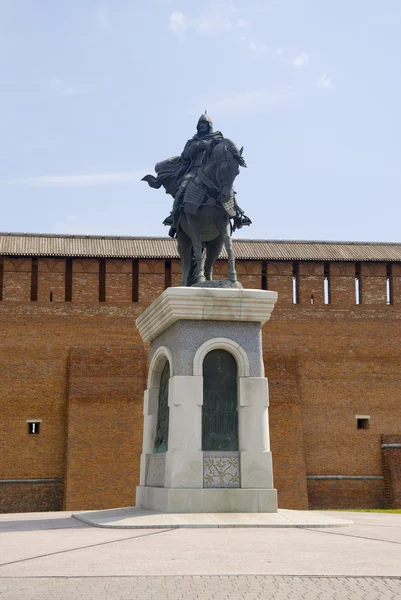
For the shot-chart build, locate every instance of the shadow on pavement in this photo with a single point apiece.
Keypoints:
(42, 524)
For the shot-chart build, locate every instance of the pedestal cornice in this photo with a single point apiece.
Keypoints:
(204, 304)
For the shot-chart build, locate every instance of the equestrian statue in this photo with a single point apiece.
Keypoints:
(205, 211)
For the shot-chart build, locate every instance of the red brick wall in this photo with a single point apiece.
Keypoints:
(346, 493)
(373, 283)
(249, 273)
(279, 279)
(104, 426)
(342, 284)
(346, 365)
(396, 283)
(118, 280)
(391, 458)
(51, 279)
(30, 497)
(311, 277)
(151, 280)
(325, 363)
(17, 279)
(286, 428)
(85, 280)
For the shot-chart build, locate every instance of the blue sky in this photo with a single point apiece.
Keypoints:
(93, 93)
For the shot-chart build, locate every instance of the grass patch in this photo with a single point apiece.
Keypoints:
(390, 511)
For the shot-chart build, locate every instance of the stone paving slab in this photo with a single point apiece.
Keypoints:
(141, 518)
(55, 545)
(242, 587)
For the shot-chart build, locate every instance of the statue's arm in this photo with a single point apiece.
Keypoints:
(188, 151)
(191, 149)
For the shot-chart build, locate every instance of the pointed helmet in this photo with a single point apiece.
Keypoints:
(208, 120)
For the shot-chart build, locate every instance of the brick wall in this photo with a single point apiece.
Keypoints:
(17, 279)
(104, 436)
(391, 459)
(51, 279)
(346, 493)
(30, 497)
(325, 364)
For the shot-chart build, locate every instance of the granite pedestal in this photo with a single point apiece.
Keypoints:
(183, 325)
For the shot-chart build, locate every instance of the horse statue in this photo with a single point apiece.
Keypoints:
(205, 211)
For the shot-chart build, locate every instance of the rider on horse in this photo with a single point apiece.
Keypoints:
(176, 173)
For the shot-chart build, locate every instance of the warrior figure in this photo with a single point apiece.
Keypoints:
(176, 173)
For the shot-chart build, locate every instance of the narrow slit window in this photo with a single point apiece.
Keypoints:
(167, 274)
(102, 280)
(295, 283)
(68, 280)
(1, 277)
(264, 275)
(358, 284)
(135, 280)
(389, 284)
(326, 283)
(34, 280)
(34, 427)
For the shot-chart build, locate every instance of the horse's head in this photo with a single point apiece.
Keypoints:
(223, 166)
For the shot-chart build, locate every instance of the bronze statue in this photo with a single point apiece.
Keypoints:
(201, 183)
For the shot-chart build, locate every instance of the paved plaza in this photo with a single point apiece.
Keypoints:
(51, 555)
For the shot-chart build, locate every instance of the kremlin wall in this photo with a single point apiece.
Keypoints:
(73, 367)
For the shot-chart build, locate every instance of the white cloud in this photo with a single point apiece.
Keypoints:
(279, 51)
(324, 82)
(253, 100)
(62, 181)
(178, 22)
(258, 48)
(220, 17)
(301, 60)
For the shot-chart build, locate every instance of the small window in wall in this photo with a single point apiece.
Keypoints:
(167, 274)
(264, 275)
(68, 280)
(34, 280)
(102, 280)
(135, 280)
(34, 427)
(295, 283)
(389, 284)
(326, 283)
(362, 421)
(358, 285)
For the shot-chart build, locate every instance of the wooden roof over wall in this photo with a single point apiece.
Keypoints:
(29, 244)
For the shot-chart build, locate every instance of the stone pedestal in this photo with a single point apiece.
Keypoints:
(183, 325)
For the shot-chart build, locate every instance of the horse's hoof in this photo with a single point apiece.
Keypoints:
(232, 278)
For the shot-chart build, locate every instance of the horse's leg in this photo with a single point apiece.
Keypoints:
(213, 249)
(223, 225)
(194, 229)
(184, 249)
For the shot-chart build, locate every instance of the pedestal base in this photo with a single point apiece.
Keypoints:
(190, 500)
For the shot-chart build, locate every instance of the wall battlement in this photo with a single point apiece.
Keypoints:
(122, 281)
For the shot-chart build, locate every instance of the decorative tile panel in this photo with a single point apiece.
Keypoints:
(221, 469)
(155, 472)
